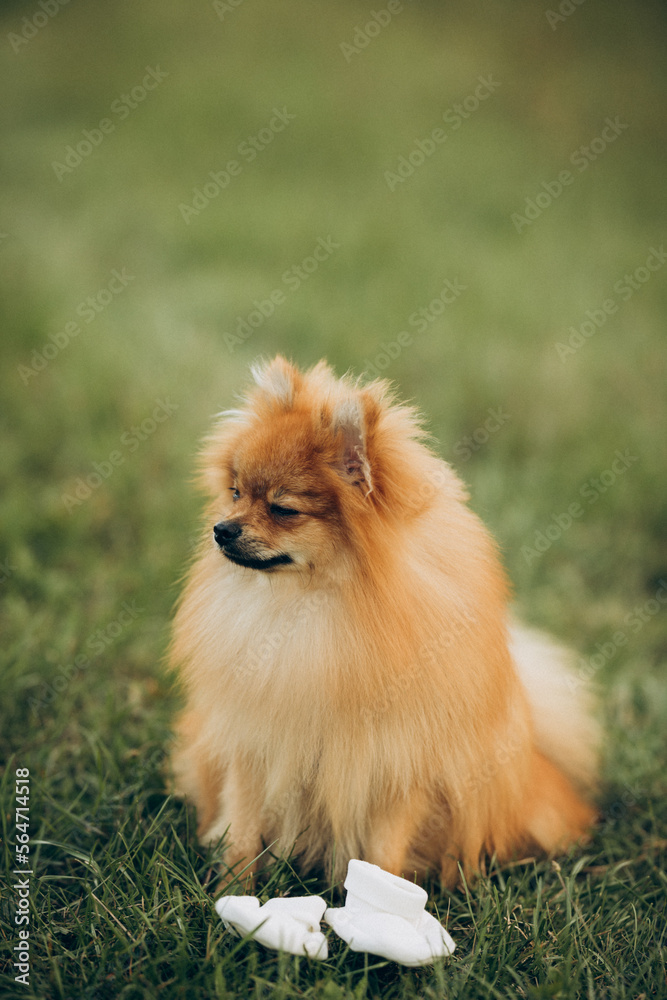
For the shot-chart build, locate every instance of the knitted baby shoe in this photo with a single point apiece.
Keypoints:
(385, 915)
(289, 924)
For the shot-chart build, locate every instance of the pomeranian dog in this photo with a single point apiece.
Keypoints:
(354, 688)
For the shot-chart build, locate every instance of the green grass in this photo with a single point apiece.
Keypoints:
(121, 896)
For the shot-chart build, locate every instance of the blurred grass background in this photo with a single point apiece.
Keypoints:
(96, 737)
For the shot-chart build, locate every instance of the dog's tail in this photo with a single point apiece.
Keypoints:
(566, 731)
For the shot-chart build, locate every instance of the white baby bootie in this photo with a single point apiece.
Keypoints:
(385, 915)
(288, 924)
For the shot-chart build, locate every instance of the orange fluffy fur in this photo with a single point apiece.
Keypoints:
(367, 699)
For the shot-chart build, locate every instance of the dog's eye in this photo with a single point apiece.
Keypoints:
(235, 493)
(283, 511)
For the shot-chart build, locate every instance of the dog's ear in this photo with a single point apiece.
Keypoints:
(277, 381)
(348, 426)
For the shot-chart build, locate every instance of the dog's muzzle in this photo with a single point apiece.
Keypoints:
(228, 537)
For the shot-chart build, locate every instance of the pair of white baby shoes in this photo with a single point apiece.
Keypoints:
(383, 914)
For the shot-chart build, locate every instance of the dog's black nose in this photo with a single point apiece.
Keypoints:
(226, 531)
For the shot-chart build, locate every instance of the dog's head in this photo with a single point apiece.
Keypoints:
(309, 468)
